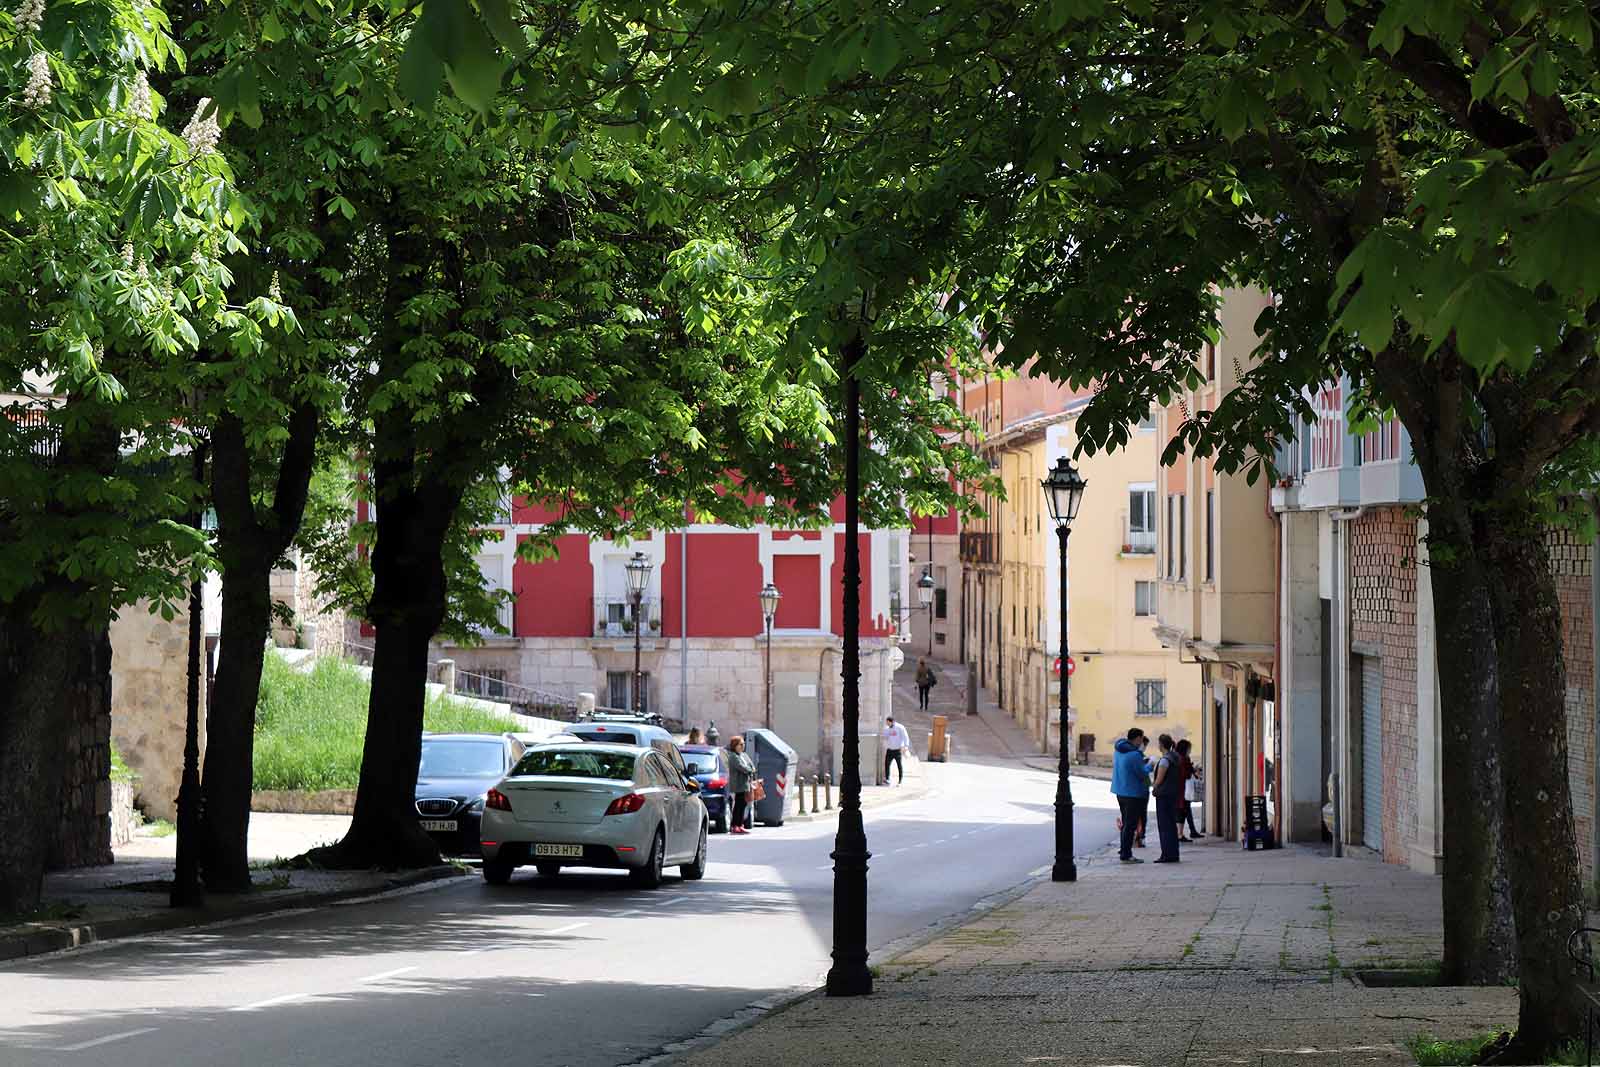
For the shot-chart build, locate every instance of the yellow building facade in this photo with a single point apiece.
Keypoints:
(1123, 676)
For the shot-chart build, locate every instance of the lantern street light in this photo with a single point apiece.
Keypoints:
(638, 569)
(186, 888)
(1063, 492)
(925, 586)
(769, 607)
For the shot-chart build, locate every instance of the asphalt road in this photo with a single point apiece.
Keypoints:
(583, 969)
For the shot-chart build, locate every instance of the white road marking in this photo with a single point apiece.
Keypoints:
(920, 844)
(825, 867)
(1037, 871)
(380, 976)
(627, 914)
(286, 998)
(567, 929)
(80, 1046)
(902, 850)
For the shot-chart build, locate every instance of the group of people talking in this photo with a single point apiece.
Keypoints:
(1170, 777)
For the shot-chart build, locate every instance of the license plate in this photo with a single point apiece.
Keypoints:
(573, 851)
(439, 825)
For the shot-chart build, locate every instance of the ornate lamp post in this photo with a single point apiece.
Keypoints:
(186, 888)
(769, 607)
(925, 599)
(1063, 491)
(638, 581)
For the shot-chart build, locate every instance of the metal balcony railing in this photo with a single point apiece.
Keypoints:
(614, 616)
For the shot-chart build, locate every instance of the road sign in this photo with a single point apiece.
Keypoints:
(1056, 666)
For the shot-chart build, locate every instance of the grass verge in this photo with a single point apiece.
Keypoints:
(310, 726)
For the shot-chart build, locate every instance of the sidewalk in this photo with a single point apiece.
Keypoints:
(130, 896)
(1229, 957)
(990, 736)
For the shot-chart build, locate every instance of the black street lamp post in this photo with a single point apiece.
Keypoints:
(1063, 491)
(849, 976)
(769, 607)
(186, 888)
(638, 580)
(925, 597)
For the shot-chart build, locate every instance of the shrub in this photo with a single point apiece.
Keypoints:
(310, 726)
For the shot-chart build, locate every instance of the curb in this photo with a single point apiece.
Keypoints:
(50, 938)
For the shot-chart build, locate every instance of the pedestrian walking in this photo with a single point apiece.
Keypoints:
(694, 736)
(926, 680)
(1168, 787)
(895, 739)
(1191, 790)
(1131, 786)
(741, 775)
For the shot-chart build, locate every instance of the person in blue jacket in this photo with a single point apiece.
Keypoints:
(1130, 784)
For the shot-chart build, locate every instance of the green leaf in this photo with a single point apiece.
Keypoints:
(1336, 13)
(497, 16)
(249, 99)
(420, 73)
(883, 50)
(271, 28)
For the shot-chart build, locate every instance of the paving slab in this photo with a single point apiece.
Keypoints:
(1229, 957)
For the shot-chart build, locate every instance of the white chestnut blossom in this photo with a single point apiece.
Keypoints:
(127, 254)
(37, 92)
(29, 16)
(275, 291)
(140, 101)
(203, 132)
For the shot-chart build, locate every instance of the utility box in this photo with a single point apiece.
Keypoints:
(778, 764)
(939, 740)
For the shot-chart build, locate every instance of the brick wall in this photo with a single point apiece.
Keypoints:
(1383, 581)
(1572, 563)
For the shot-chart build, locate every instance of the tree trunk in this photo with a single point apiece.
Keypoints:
(1479, 946)
(34, 670)
(230, 728)
(248, 544)
(1546, 893)
(408, 606)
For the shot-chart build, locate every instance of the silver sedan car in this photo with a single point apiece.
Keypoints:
(594, 805)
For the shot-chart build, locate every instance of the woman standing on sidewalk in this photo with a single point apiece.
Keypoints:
(741, 772)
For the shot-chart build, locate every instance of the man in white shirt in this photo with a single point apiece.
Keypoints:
(895, 738)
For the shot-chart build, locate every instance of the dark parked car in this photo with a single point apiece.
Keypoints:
(456, 772)
(707, 765)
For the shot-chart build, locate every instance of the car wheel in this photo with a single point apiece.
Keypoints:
(720, 825)
(695, 871)
(548, 870)
(497, 871)
(649, 876)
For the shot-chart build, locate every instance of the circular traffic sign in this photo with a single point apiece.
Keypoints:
(1071, 666)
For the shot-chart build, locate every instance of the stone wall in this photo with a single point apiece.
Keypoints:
(83, 836)
(1572, 563)
(124, 820)
(149, 691)
(295, 588)
(1383, 581)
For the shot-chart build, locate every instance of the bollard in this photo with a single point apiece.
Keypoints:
(827, 784)
(815, 807)
(802, 794)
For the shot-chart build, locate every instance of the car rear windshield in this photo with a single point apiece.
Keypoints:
(461, 759)
(701, 762)
(577, 763)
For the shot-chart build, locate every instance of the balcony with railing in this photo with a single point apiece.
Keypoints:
(1330, 465)
(980, 546)
(614, 616)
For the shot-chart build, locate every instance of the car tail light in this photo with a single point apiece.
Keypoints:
(497, 800)
(718, 783)
(626, 805)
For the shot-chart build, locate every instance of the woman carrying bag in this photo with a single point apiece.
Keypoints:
(741, 779)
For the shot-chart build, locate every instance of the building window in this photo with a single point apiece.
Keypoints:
(1144, 598)
(1172, 544)
(941, 581)
(1150, 698)
(1141, 518)
(1211, 362)
(938, 637)
(1211, 534)
(1183, 537)
(619, 690)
